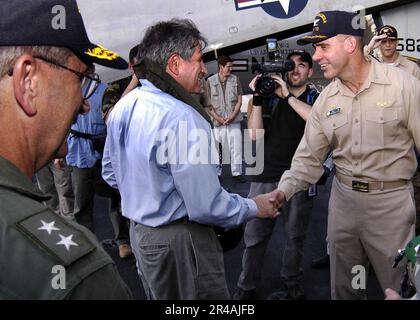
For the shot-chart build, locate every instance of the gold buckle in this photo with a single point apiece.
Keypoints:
(360, 186)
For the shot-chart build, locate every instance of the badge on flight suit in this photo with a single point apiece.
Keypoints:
(56, 236)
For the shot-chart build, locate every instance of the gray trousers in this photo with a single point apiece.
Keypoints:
(367, 228)
(296, 213)
(57, 183)
(179, 261)
(120, 224)
(83, 188)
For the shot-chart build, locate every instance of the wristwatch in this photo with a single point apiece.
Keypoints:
(288, 96)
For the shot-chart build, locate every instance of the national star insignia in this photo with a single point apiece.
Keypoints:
(285, 4)
(49, 227)
(67, 241)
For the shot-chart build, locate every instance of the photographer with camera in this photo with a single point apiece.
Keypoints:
(283, 117)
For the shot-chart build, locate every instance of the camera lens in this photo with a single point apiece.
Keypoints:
(266, 86)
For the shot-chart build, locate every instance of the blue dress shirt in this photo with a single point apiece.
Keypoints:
(150, 155)
(80, 151)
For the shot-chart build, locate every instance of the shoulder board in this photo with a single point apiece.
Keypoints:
(57, 236)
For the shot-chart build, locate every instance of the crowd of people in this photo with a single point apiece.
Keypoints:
(157, 147)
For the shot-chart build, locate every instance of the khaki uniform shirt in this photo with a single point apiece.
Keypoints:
(401, 62)
(44, 256)
(371, 134)
(408, 66)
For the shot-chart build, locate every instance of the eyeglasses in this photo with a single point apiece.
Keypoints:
(89, 81)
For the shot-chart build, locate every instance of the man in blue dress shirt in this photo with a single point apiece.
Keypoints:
(160, 153)
(82, 157)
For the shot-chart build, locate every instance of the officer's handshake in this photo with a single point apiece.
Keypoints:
(269, 204)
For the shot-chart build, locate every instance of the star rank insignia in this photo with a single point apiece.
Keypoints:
(56, 236)
(49, 227)
(67, 241)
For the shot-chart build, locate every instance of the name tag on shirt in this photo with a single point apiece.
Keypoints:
(333, 112)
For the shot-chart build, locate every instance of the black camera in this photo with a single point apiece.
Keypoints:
(266, 85)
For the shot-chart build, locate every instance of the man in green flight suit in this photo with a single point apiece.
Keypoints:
(43, 66)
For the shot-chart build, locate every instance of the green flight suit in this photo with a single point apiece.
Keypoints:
(44, 256)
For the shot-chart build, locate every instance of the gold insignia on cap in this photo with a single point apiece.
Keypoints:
(102, 53)
(318, 18)
(318, 36)
(323, 17)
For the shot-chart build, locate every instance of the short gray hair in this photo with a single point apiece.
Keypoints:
(9, 55)
(168, 37)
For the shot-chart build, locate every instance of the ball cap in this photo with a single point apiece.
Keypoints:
(305, 56)
(390, 31)
(52, 23)
(328, 24)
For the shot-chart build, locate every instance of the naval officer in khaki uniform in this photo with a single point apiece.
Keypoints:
(369, 117)
(42, 70)
(387, 42)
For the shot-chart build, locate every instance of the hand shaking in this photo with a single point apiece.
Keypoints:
(269, 203)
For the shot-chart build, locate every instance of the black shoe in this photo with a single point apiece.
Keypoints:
(239, 179)
(278, 295)
(241, 294)
(290, 292)
(321, 263)
(284, 295)
(295, 291)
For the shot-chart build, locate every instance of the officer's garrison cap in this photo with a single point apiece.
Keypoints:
(37, 22)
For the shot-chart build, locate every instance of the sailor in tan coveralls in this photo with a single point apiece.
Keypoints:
(369, 117)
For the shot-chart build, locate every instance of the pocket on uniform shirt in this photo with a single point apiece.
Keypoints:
(381, 126)
(335, 127)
